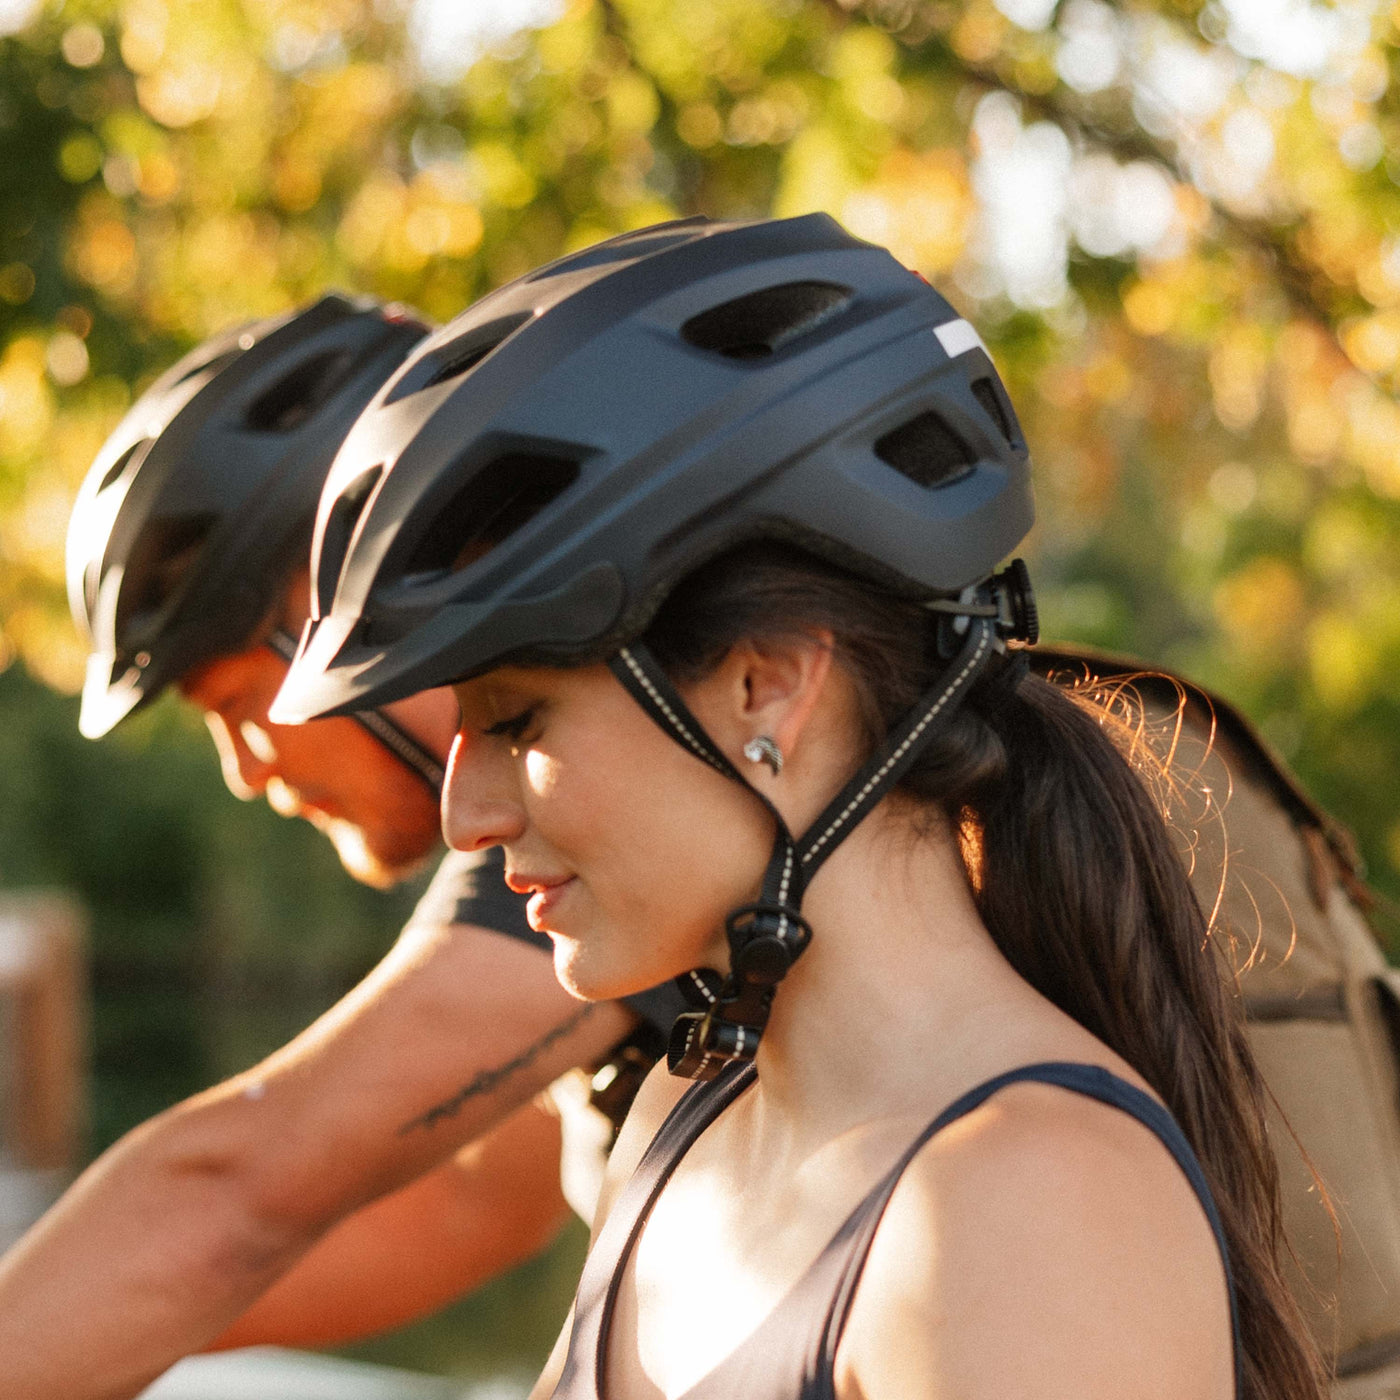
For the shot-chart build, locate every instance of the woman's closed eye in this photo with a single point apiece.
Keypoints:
(515, 727)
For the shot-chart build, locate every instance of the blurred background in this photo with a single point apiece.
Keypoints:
(1176, 224)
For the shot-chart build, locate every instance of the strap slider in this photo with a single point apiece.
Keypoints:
(765, 940)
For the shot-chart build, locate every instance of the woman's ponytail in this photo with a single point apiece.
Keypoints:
(1076, 877)
(1084, 892)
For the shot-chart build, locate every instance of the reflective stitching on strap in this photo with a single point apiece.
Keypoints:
(397, 740)
(784, 870)
(704, 990)
(783, 886)
(671, 717)
(692, 1030)
(406, 749)
(875, 778)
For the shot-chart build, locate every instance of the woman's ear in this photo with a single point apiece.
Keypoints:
(766, 688)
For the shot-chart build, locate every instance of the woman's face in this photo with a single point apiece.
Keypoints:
(631, 849)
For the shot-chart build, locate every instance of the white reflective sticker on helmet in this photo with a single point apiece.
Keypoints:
(957, 338)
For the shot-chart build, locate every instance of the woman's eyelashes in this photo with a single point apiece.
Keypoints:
(515, 727)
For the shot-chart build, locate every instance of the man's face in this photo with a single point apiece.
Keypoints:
(379, 814)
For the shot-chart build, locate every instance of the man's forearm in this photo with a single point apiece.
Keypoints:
(404, 1256)
(147, 1258)
(176, 1231)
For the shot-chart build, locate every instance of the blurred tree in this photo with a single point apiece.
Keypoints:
(1178, 225)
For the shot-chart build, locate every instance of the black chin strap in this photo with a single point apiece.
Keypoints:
(767, 937)
(392, 735)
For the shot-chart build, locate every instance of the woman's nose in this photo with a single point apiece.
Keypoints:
(480, 798)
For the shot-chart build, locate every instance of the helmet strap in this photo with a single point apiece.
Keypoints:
(413, 755)
(767, 937)
(404, 747)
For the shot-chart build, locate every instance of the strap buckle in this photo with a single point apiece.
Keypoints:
(703, 1043)
(1017, 614)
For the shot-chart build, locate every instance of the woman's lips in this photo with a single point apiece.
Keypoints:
(537, 910)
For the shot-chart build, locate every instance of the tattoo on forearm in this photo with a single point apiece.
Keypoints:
(489, 1079)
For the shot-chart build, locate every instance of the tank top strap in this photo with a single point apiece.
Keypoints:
(602, 1273)
(1094, 1082)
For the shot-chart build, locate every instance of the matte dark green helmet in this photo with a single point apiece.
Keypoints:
(543, 469)
(199, 505)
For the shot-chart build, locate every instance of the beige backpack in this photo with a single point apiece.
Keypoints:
(1323, 1005)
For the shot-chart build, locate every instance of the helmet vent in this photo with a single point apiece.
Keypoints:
(457, 357)
(297, 395)
(927, 451)
(497, 501)
(984, 391)
(160, 560)
(334, 541)
(120, 465)
(760, 324)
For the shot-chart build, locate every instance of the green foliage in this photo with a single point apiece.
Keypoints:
(1204, 355)
(217, 930)
(1208, 396)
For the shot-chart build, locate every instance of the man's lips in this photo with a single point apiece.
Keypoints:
(288, 801)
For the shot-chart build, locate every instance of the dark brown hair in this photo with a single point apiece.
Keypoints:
(1075, 875)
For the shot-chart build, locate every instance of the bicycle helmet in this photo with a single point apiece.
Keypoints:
(541, 471)
(190, 520)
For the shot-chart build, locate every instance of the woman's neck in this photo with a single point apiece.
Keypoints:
(900, 987)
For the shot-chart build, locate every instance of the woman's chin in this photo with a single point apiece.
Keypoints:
(571, 968)
(584, 971)
(579, 974)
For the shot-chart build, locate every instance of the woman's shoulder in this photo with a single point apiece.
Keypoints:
(1046, 1245)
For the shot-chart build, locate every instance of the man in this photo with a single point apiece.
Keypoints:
(394, 1154)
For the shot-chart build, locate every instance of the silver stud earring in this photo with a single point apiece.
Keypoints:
(763, 749)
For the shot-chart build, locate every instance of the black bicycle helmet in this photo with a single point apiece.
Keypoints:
(540, 473)
(189, 522)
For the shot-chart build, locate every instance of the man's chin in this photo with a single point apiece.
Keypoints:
(361, 862)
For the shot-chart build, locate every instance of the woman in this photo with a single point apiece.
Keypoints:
(704, 524)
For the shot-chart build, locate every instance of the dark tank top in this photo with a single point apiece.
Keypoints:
(792, 1354)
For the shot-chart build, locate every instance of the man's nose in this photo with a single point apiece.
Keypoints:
(247, 755)
(480, 799)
